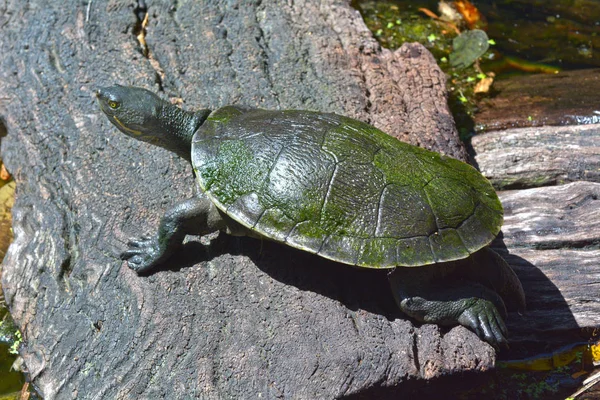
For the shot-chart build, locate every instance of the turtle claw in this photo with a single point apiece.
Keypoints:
(485, 319)
(143, 254)
(135, 262)
(141, 242)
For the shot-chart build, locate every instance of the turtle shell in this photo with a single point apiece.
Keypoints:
(343, 189)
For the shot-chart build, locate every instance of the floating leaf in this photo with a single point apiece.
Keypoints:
(468, 47)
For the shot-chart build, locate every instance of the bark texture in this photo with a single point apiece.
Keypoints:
(539, 156)
(227, 319)
(551, 175)
(551, 233)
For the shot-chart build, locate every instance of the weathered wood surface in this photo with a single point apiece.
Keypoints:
(569, 97)
(551, 234)
(226, 320)
(539, 156)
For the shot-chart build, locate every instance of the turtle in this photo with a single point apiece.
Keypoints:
(336, 187)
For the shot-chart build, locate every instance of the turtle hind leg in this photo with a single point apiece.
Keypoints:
(488, 267)
(429, 294)
(194, 216)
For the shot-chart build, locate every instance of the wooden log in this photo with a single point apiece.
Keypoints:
(552, 239)
(541, 100)
(220, 321)
(539, 156)
(217, 322)
(551, 234)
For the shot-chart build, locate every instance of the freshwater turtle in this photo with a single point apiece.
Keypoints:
(336, 187)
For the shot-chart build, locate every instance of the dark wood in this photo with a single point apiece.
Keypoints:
(229, 318)
(569, 97)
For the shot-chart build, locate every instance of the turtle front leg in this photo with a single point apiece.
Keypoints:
(449, 301)
(195, 216)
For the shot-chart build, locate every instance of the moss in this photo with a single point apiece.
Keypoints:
(10, 340)
(224, 114)
(393, 26)
(230, 180)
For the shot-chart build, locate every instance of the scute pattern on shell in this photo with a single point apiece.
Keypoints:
(343, 189)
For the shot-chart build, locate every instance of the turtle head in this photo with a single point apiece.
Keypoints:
(143, 115)
(135, 111)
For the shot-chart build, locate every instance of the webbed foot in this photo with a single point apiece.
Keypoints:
(451, 301)
(144, 254)
(195, 216)
(484, 318)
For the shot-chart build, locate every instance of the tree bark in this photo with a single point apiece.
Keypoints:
(226, 319)
(551, 234)
(542, 156)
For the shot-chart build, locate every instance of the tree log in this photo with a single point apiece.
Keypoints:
(551, 234)
(531, 157)
(225, 319)
(541, 100)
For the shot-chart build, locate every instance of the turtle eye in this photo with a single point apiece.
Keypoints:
(113, 104)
